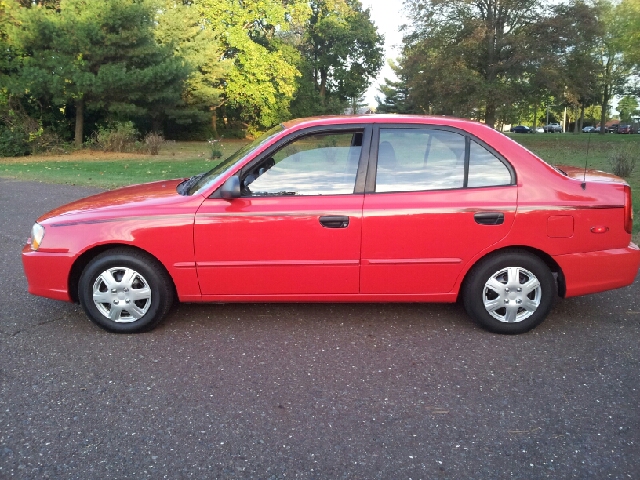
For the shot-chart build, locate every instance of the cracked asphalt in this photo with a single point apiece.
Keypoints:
(310, 391)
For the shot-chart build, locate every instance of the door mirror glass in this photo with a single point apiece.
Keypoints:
(231, 188)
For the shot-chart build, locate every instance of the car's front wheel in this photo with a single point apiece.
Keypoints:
(125, 291)
(510, 292)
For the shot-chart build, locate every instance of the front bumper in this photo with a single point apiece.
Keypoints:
(595, 272)
(47, 273)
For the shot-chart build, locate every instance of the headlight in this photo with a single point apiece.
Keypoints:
(37, 234)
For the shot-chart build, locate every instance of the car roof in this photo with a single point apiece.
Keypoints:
(385, 118)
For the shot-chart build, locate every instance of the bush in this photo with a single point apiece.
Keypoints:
(153, 142)
(13, 142)
(117, 137)
(216, 149)
(623, 161)
(48, 143)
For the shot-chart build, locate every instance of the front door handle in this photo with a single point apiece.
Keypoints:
(489, 218)
(334, 221)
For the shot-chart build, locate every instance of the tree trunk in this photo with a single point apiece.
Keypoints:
(603, 114)
(606, 94)
(490, 24)
(79, 122)
(156, 125)
(214, 121)
(581, 118)
(490, 114)
(323, 85)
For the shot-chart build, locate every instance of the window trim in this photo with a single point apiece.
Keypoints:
(372, 171)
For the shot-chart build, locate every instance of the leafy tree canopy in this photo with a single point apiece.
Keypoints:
(262, 81)
(628, 108)
(181, 28)
(97, 55)
(342, 53)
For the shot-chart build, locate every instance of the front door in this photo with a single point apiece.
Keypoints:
(297, 228)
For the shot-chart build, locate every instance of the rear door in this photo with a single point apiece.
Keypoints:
(437, 199)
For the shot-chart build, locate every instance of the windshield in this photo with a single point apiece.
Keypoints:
(224, 166)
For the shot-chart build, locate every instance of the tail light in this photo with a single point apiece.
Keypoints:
(628, 210)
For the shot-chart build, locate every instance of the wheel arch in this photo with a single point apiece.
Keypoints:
(545, 257)
(88, 255)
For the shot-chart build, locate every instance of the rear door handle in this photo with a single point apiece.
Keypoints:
(334, 221)
(489, 218)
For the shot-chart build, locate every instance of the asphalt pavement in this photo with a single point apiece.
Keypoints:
(371, 391)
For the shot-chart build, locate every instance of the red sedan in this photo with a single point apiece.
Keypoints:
(346, 209)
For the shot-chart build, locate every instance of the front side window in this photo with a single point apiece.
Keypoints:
(320, 164)
(207, 179)
(419, 159)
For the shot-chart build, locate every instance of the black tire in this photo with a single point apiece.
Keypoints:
(143, 298)
(512, 312)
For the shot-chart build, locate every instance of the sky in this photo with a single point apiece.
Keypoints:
(388, 17)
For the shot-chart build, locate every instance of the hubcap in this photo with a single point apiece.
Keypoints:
(512, 295)
(121, 294)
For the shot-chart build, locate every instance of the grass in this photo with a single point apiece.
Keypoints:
(110, 170)
(183, 159)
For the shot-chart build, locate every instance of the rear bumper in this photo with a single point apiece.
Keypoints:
(595, 272)
(47, 273)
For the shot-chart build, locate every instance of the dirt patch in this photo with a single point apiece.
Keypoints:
(169, 152)
(77, 155)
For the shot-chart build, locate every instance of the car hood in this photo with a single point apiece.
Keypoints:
(134, 197)
(590, 175)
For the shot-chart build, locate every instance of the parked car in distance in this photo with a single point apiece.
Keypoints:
(588, 129)
(553, 128)
(613, 128)
(520, 129)
(626, 129)
(374, 208)
(539, 129)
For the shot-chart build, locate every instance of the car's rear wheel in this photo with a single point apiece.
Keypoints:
(510, 292)
(125, 291)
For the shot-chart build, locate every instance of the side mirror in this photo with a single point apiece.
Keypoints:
(231, 188)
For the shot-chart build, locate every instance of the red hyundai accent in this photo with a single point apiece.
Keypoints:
(346, 209)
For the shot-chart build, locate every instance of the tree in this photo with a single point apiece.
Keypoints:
(396, 93)
(629, 25)
(469, 57)
(97, 55)
(628, 108)
(575, 28)
(342, 51)
(613, 71)
(262, 82)
(181, 28)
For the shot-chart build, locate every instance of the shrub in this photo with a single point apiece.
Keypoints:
(216, 149)
(623, 161)
(48, 143)
(117, 137)
(153, 142)
(14, 142)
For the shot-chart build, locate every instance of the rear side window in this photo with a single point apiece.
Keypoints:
(485, 169)
(419, 159)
